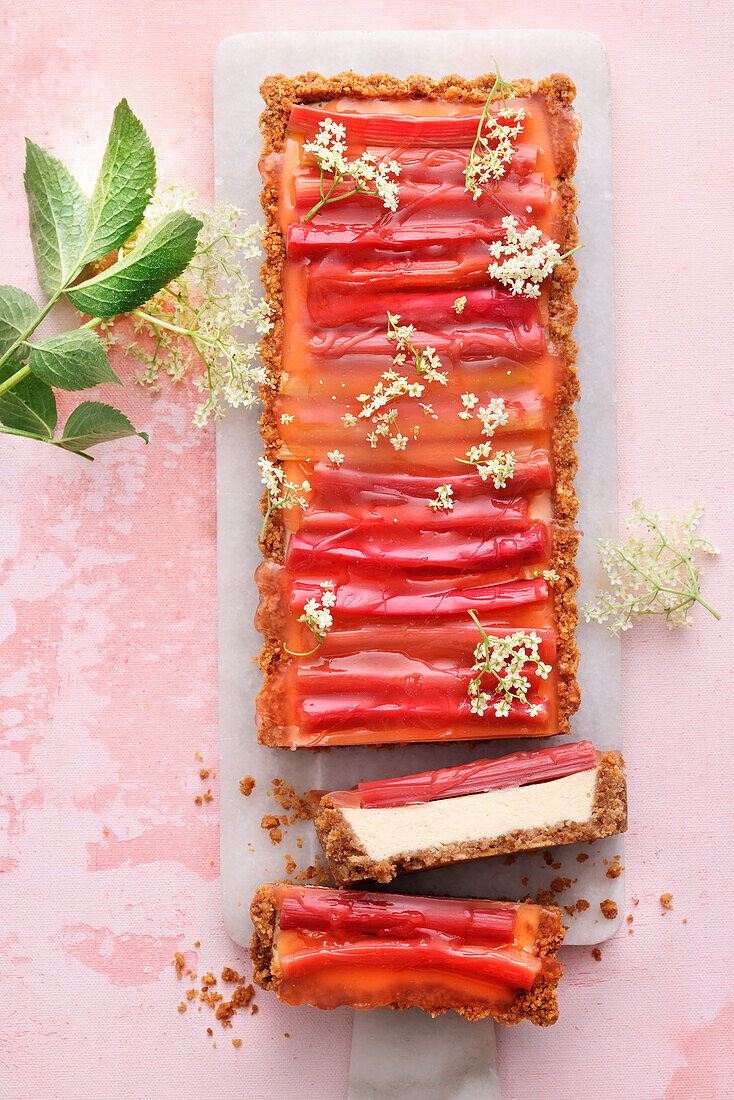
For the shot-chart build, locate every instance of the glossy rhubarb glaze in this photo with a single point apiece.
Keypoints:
(367, 950)
(397, 662)
(517, 769)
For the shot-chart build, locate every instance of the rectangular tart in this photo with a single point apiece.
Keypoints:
(407, 532)
(527, 800)
(328, 948)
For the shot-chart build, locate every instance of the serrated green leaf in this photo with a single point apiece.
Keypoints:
(34, 393)
(18, 311)
(14, 413)
(93, 422)
(58, 216)
(148, 267)
(73, 360)
(124, 186)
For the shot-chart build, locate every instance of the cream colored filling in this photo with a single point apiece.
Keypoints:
(393, 830)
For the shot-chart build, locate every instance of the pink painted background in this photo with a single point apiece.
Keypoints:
(108, 612)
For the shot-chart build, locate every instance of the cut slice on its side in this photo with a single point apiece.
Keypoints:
(328, 948)
(526, 800)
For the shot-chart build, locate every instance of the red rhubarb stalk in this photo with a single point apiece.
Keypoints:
(517, 342)
(336, 483)
(439, 552)
(400, 916)
(472, 515)
(395, 129)
(436, 308)
(430, 642)
(508, 197)
(456, 272)
(516, 770)
(318, 239)
(398, 679)
(415, 598)
(509, 965)
(377, 712)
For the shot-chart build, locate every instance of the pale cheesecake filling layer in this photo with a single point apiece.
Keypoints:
(388, 831)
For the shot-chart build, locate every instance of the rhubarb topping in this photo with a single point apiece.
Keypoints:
(515, 770)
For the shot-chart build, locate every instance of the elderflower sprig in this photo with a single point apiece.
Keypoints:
(192, 328)
(317, 617)
(369, 176)
(393, 385)
(499, 465)
(504, 659)
(653, 572)
(281, 492)
(526, 259)
(493, 146)
(444, 499)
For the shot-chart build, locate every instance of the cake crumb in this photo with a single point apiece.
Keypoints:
(179, 962)
(685, 920)
(548, 857)
(208, 796)
(666, 900)
(608, 908)
(525, 881)
(197, 943)
(198, 756)
(630, 918)
(204, 773)
(198, 800)
(247, 785)
(299, 843)
(208, 979)
(558, 885)
(237, 1043)
(635, 901)
(582, 857)
(596, 954)
(254, 1010)
(582, 905)
(209, 1031)
(230, 975)
(510, 859)
(272, 824)
(290, 864)
(182, 1007)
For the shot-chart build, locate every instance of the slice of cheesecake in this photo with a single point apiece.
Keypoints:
(328, 948)
(491, 807)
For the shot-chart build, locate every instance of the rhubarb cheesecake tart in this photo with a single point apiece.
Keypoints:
(328, 948)
(489, 807)
(419, 578)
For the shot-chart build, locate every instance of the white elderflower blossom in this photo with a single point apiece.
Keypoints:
(317, 616)
(653, 571)
(468, 400)
(443, 500)
(281, 492)
(287, 418)
(193, 328)
(504, 661)
(368, 175)
(524, 260)
(493, 416)
(459, 304)
(496, 139)
(335, 457)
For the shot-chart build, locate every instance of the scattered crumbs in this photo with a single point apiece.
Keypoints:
(510, 859)
(685, 920)
(247, 785)
(230, 975)
(558, 885)
(287, 1034)
(630, 918)
(272, 824)
(208, 796)
(299, 843)
(197, 943)
(545, 897)
(525, 881)
(190, 994)
(608, 908)
(596, 954)
(237, 1043)
(198, 800)
(614, 868)
(582, 857)
(198, 756)
(548, 857)
(582, 905)
(316, 874)
(635, 901)
(286, 797)
(208, 979)
(204, 773)
(182, 1006)
(179, 962)
(556, 866)
(209, 1031)
(666, 900)
(214, 1044)
(254, 1010)
(290, 865)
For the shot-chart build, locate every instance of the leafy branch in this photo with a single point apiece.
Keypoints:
(68, 234)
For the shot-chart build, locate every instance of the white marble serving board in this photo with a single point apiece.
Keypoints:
(247, 856)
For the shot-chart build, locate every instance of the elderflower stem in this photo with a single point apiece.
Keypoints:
(296, 653)
(156, 322)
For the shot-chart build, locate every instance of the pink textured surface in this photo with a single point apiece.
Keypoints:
(107, 611)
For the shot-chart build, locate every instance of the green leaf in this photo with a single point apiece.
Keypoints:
(18, 311)
(16, 414)
(73, 360)
(148, 267)
(34, 393)
(92, 423)
(58, 217)
(124, 186)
